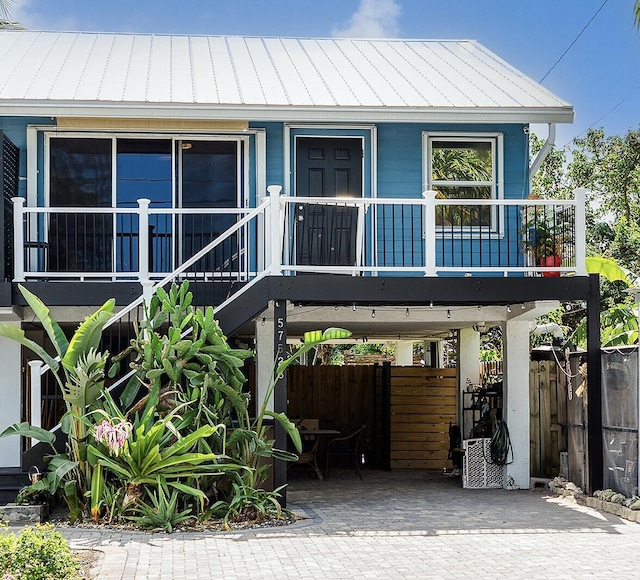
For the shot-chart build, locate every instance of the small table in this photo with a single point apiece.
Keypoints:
(311, 457)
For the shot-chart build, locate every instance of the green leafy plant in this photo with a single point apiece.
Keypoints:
(249, 504)
(251, 440)
(155, 449)
(37, 553)
(163, 513)
(79, 372)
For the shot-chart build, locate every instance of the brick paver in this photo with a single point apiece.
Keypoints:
(392, 525)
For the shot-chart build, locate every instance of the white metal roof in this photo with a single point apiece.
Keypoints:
(222, 77)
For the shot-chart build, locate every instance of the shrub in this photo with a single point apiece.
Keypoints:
(37, 553)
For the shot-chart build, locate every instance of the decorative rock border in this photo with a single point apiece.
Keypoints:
(562, 487)
(614, 508)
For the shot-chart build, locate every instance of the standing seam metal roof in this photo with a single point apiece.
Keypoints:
(45, 70)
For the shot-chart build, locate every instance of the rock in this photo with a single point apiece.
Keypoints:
(22, 514)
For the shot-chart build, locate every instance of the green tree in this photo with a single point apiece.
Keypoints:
(610, 168)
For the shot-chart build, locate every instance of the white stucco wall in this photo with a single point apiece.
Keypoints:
(404, 353)
(10, 400)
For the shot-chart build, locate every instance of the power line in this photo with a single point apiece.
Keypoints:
(611, 110)
(574, 40)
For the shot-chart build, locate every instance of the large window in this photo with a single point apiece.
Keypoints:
(97, 171)
(463, 167)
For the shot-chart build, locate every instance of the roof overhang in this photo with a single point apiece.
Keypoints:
(287, 113)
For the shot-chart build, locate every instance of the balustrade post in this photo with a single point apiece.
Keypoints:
(35, 384)
(143, 240)
(429, 224)
(274, 234)
(580, 195)
(18, 238)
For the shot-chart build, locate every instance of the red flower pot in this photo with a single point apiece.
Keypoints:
(551, 262)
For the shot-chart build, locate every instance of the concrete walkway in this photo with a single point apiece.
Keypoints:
(392, 525)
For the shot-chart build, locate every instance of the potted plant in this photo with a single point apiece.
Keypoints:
(542, 243)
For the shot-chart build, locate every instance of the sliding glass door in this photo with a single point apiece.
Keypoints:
(114, 172)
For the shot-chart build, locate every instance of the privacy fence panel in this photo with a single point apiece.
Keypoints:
(620, 419)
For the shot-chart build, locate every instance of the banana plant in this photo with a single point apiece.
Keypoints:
(253, 441)
(78, 370)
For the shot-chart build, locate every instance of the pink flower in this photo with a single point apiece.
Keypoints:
(113, 435)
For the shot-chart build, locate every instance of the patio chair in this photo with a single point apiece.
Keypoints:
(349, 446)
(309, 456)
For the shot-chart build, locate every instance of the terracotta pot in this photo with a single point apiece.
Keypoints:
(551, 262)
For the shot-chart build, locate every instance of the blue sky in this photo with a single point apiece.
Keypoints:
(601, 70)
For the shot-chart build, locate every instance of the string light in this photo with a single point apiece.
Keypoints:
(406, 312)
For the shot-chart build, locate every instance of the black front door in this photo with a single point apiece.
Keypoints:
(327, 167)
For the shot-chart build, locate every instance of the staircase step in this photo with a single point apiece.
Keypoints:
(12, 478)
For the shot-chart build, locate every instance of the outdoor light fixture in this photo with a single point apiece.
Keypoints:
(431, 305)
(508, 307)
(448, 313)
(373, 313)
(406, 312)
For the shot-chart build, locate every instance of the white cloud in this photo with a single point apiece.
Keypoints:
(372, 19)
(23, 13)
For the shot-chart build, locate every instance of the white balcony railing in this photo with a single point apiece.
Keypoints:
(426, 236)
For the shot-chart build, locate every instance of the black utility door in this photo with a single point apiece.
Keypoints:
(327, 167)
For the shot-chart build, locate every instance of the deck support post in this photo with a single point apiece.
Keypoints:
(594, 382)
(429, 225)
(143, 240)
(581, 231)
(275, 231)
(280, 392)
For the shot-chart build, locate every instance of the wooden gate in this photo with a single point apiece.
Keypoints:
(423, 403)
(548, 407)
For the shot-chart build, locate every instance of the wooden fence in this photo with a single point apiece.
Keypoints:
(423, 404)
(549, 422)
(407, 409)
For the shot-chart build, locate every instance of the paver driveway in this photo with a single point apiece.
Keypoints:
(392, 525)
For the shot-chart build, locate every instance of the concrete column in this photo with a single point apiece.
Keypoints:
(516, 401)
(10, 386)
(468, 355)
(468, 369)
(264, 359)
(404, 353)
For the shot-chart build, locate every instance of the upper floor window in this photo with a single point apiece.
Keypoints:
(464, 167)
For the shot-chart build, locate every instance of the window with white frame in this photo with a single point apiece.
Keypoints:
(464, 167)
